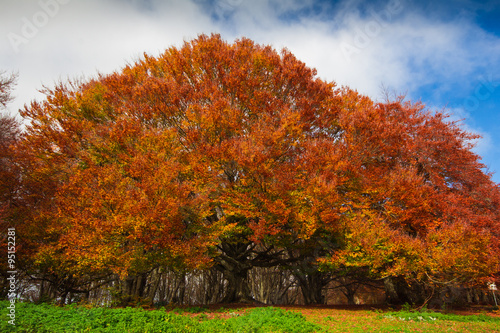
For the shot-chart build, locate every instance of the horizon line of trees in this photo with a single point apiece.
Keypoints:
(228, 172)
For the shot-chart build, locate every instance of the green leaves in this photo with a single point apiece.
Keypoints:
(49, 318)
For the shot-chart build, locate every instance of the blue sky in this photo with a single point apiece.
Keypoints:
(444, 53)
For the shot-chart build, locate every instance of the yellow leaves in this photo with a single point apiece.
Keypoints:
(369, 242)
(457, 251)
(227, 228)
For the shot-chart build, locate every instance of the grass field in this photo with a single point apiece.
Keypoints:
(49, 318)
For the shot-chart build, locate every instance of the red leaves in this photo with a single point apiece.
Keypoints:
(414, 173)
(159, 160)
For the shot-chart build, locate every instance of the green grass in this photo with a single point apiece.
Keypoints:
(49, 318)
(54, 319)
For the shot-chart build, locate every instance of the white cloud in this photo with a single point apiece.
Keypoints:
(391, 42)
(84, 37)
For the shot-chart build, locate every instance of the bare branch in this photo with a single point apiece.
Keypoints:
(7, 83)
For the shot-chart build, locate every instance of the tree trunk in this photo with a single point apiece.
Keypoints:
(349, 294)
(398, 291)
(47, 292)
(238, 290)
(312, 285)
(234, 264)
(152, 288)
(132, 288)
(391, 295)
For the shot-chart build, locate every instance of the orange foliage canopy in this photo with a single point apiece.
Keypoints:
(419, 204)
(157, 163)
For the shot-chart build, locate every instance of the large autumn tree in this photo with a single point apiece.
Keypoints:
(235, 156)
